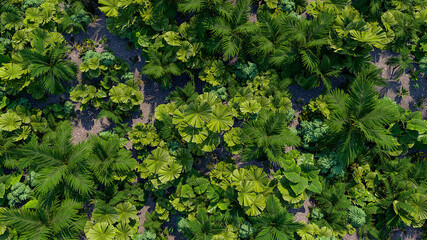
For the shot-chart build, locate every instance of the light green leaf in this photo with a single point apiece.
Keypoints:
(111, 8)
(101, 231)
(11, 71)
(126, 212)
(157, 159)
(221, 119)
(293, 177)
(10, 121)
(300, 187)
(172, 38)
(197, 113)
(169, 172)
(315, 186)
(257, 206)
(105, 214)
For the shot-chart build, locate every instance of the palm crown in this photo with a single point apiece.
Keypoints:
(62, 166)
(358, 118)
(266, 137)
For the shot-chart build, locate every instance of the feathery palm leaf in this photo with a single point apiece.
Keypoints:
(275, 222)
(266, 137)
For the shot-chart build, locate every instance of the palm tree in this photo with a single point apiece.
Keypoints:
(49, 69)
(108, 160)
(183, 95)
(334, 204)
(204, 227)
(269, 37)
(205, 11)
(306, 51)
(230, 32)
(62, 167)
(266, 137)
(359, 118)
(275, 223)
(61, 221)
(160, 66)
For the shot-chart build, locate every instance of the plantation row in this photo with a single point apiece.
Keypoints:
(233, 150)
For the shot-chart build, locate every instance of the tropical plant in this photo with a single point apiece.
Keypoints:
(356, 216)
(161, 66)
(334, 204)
(266, 137)
(19, 193)
(297, 182)
(403, 62)
(359, 117)
(144, 135)
(109, 162)
(49, 69)
(107, 222)
(74, 19)
(62, 166)
(229, 32)
(203, 227)
(312, 132)
(275, 222)
(60, 221)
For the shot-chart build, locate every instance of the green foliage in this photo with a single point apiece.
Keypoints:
(297, 182)
(147, 235)
(126, 95)
(74, 19)
(275, 223)
(31, 3)
(49, 68)
(59, 111)
(203, 226)
(19, 192)
(246, 71)
(229, 32)
(423, 65)
(312, 132)
(107, 59)
(356, 216)
(110, 162)
(246, 230)
(161, 66)
(144, 135)
(359, 117)
(87, 94)
(317, 108)
(215, 73)
(287, 5)
(220, 91)
(266, 137)
(62, 167)
(334, 204)
(331, 165)
(316, 214)
(107, 222)
(11, 71)
(350, 163)
(60, 221)
(32, 178)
